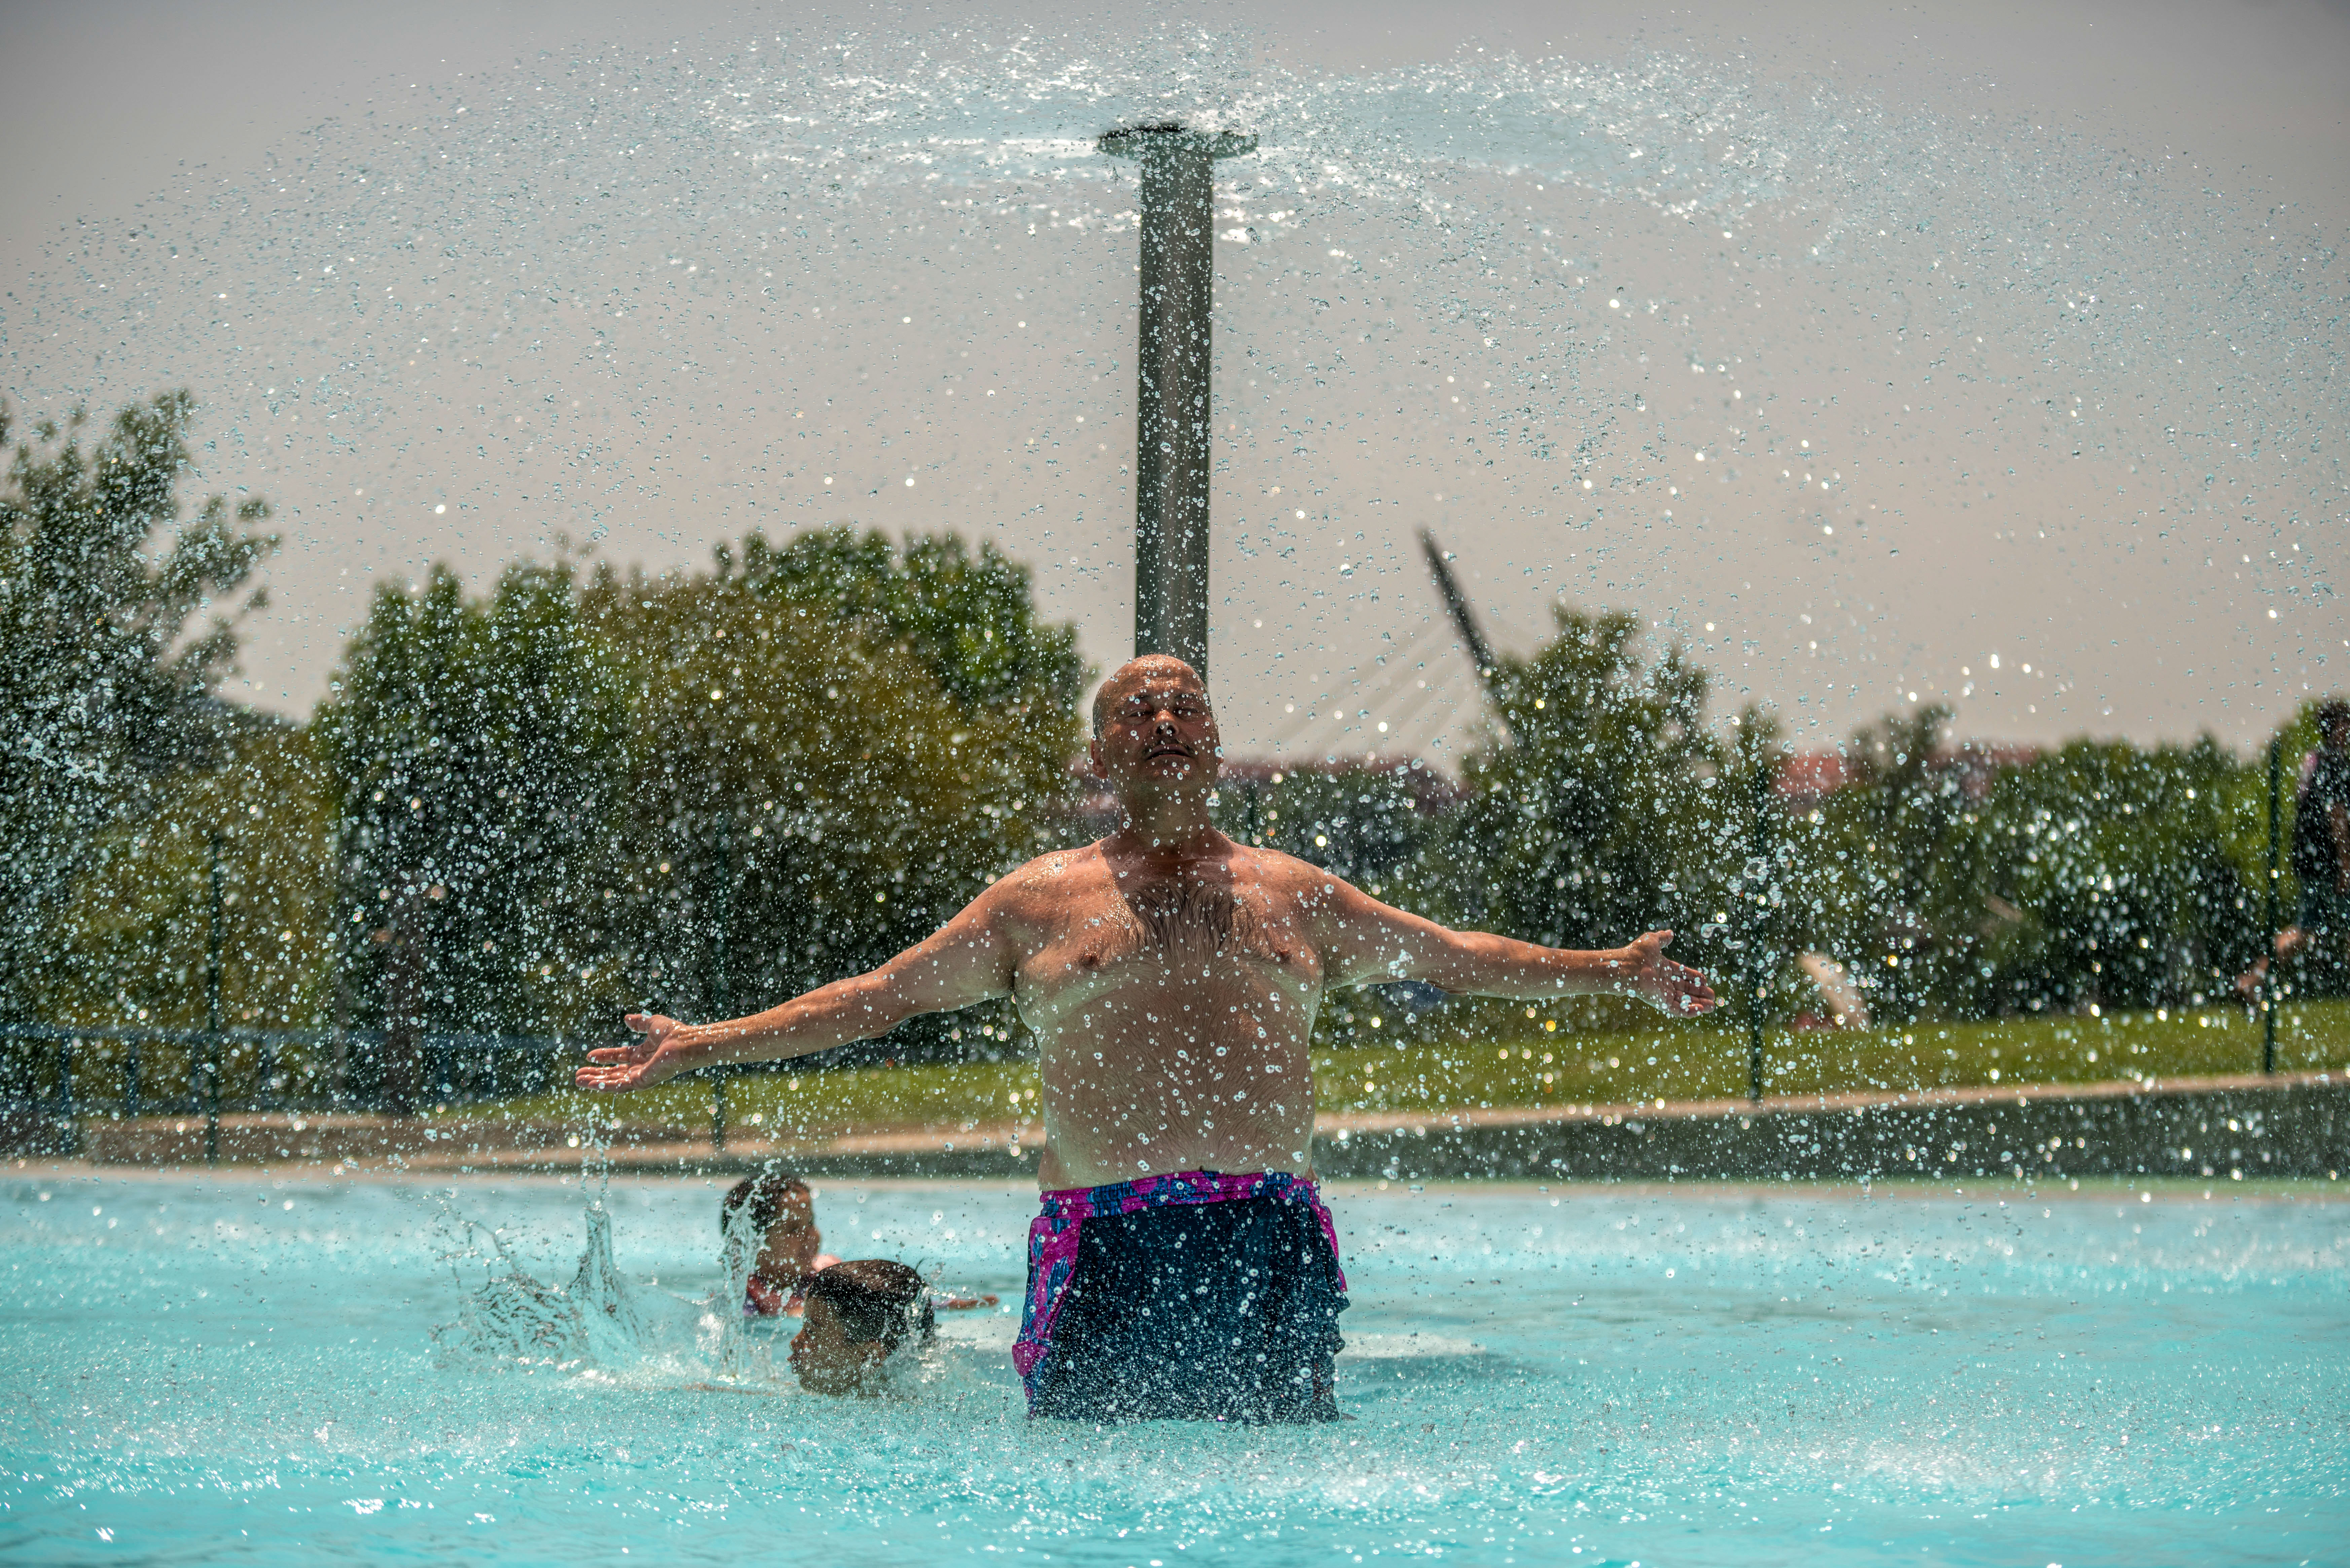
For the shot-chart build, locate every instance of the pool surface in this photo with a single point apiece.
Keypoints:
(257, 1369)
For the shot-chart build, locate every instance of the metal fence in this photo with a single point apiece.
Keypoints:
(49, 1074)
(59, 1076)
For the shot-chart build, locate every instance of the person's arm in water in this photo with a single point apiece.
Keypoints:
(1366, 942)
(966, 960)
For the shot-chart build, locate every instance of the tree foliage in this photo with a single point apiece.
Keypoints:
(2095, 873)
(1595, 816)
(583, 791)
(970, 619)
(2101, 873)
(477, 753)
(704, 793)
(137, 933)
(811, 796)
(110, 662)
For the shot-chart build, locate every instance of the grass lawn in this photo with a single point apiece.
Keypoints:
(1519, 1061)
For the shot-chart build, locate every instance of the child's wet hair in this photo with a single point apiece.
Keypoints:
(761, 1197)
(875, 1298)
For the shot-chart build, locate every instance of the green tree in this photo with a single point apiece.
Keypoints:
(2099, 873)
(1600, 815)
(824, 781)
(970, 619)
(1871, 862)
(107, 674)
(135, 937)
(1755, 903)
(702, 792)
(477, 754)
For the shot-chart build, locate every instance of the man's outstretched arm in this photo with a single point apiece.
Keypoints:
(966, 960)
(1367, 941)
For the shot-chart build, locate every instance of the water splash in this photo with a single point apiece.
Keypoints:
(738, 1353)
(514, 1316)
(1565, 290)
(1668, 130)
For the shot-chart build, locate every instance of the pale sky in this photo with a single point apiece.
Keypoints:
(2019, 338)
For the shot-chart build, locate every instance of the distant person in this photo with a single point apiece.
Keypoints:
(2321, 853)
(1183, 1266)
(780, 1212)
(858, 1315)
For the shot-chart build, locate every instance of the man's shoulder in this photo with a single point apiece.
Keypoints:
(1054, 870)
(1279, 871)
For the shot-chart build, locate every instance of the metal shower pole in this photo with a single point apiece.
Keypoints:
(1174, 375)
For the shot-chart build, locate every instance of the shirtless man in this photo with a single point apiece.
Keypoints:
(1183, 1266)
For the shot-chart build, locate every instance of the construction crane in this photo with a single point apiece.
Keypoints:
(1464, 619)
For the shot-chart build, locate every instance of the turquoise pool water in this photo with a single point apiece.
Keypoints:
(247, 1370)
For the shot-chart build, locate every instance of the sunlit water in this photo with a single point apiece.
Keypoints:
(266, 1371)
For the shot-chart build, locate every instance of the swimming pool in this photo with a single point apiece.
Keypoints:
(246, 1370)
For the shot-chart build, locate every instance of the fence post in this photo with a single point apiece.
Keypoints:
(401, 1057)
(211, 1063)
(68, 1119)
(1758, 968)
(338, 1052)
(2269, 911)
(130, 1079)
(721, 990)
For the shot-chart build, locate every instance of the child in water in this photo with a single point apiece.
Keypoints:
(781, 1211)
(858, 1315)
(855, 1315)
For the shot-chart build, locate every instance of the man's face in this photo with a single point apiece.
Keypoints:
(824, 1358)
(1159, 731)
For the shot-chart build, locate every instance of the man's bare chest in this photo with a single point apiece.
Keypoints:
(1170, 933)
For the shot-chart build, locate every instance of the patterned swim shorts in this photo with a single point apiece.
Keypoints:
(1196, 1296)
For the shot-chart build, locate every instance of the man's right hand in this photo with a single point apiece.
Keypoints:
(1657, 980)
(640, 1063)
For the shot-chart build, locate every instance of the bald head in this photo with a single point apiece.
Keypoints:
(1155, 741)
(1148, 669)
